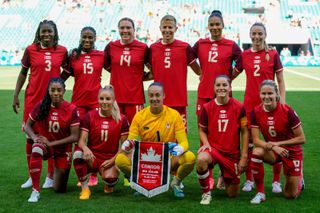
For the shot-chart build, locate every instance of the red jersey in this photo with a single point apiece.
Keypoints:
(44, 64)
(87, 72)
(222, 124)
(57, 124)
(104, 133)
(215, 58)
(277, 125)
(169, 66)
(257, 70)
(126, 65)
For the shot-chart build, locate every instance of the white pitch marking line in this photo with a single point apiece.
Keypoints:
(303, 74)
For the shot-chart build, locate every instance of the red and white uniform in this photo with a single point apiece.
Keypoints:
(169, 66)
(126, 65)
(57, 124)
(278, 125)
(223, 125)
(104, 134)
(87, 71)
(44, 64)
(257, 70)
(215, 58)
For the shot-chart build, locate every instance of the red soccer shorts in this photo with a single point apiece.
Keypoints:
(129, 110)
(292, 166)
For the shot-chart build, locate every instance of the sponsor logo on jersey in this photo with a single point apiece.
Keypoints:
(126, 49)
(47, 53)
(126, 52)
(223, 111)
(257, 57)
(270, 118)
(87, 56)
(54, 113)
(145, 128)
(167, 50)
(271, 123)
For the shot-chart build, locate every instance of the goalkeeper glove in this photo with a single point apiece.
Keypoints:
(128, 145)
(175, 149)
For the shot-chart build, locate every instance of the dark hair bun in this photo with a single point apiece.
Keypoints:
(216, 12)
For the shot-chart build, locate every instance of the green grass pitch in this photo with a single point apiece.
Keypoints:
(14, 170)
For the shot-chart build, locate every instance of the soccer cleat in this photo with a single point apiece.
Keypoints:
(303, 185)
(93, 180)
(126, 182)
(107, 189)
(206, 198)
(34, 197)
(177, 191)
(27, 184)
(260, 197)
(85, 194)
(48, 183)
(276, 187)
(220, 184)
(79, 184)
(248, 186)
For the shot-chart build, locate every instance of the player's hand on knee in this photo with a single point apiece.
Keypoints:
(204, 148)
(281, 151)
(128, 145)
(87, 154)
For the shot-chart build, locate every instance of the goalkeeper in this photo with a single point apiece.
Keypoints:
(160, 123)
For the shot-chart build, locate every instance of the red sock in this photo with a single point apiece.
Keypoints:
(29, 143)
(276, 169)
(80, 166)
(258, 172)
(35, 169)
(249, 175)
(204, 181)
(50, 167)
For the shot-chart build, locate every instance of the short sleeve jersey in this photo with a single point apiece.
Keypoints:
(257, 70)
(161, 127)
(104, 133)
(44, 64)
(169, 66)
(87, 71)
(215, 58)
(277, 125)
(57, 124)
(222, 125)
(126, 65)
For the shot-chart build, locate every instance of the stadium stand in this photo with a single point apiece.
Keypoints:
(20, 18)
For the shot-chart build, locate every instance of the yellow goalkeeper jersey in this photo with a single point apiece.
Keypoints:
(164, 127)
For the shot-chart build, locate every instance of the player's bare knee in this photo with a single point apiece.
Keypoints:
(258, 151)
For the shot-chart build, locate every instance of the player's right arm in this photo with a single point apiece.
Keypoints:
(20, 82)
(29, 130)
(202, 130)
(87, 153)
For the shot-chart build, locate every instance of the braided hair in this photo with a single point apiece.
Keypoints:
(37, 39)
(46, 101)
(77, 51)
(216, 13)
(266, 47)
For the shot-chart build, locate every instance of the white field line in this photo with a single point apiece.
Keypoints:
(302, 74)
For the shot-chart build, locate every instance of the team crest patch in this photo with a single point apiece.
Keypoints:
(150, 173)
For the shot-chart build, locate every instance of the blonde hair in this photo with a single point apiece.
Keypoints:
(115, 112)
(266, 47)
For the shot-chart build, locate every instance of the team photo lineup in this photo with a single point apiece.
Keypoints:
(96, 133)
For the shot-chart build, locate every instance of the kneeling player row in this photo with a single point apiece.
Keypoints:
(54, 125)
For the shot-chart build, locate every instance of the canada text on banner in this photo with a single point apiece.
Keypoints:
(150, 173)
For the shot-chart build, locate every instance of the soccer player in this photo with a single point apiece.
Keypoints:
(164, 125)
(220, 124)
(125, 60)
(169, 59)
(260, 63)
(283, 136)
(103, 128)
(45, 58)
(85, 65)
(58, 124)
(216, 55)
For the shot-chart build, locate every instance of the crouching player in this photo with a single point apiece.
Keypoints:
(104, 128)
(219, 125)
(58, 125)
(160, 123)
(283, 137)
